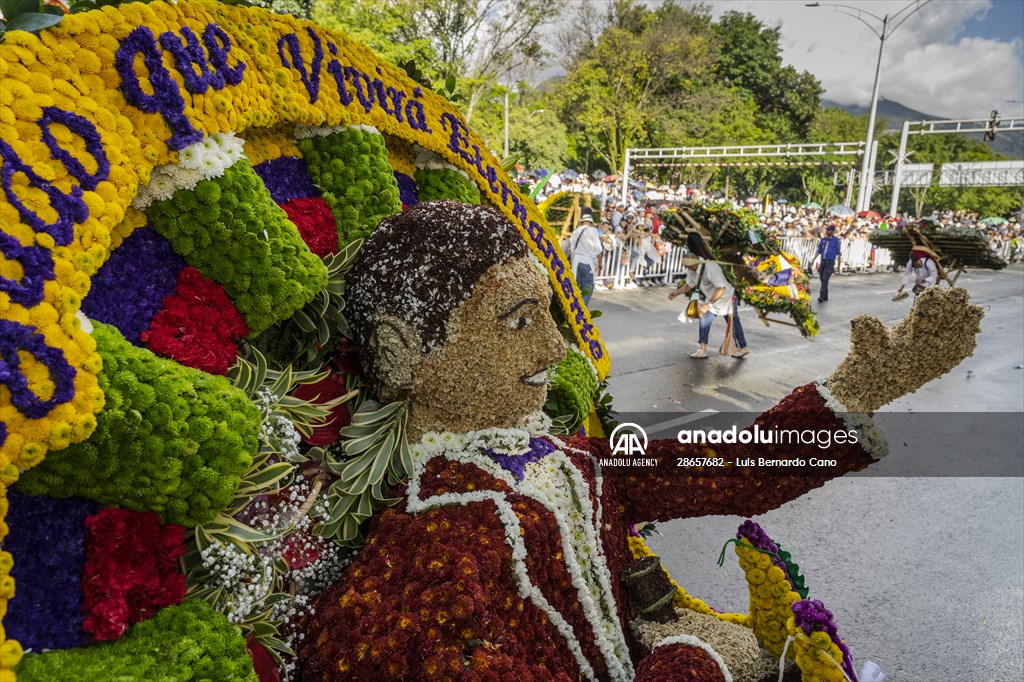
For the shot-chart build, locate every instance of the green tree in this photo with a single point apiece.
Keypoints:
(636, 74)
(479, 42)
(536, 134)
(750, 58)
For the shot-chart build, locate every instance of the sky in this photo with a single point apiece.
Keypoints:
(957, 59)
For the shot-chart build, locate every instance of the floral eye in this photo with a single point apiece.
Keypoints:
(520, 322)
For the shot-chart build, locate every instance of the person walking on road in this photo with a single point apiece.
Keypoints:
(719, 299)
(829, 252)
(586, 248)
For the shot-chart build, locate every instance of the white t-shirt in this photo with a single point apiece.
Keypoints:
(712, 279)
(927, 272)
(586, 245)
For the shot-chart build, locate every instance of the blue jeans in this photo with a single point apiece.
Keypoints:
(737, 328)
(585, 281)
(827, 267)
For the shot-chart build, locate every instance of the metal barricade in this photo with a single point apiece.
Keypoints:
(619, 266)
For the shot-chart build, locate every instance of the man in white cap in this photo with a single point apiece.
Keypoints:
(719, 299)
(586, 249)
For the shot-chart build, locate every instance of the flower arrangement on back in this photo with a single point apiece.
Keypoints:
(504, 554)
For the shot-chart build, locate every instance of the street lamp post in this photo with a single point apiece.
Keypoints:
(889, 24)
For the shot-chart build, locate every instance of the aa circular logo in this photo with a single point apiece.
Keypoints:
(628, 440)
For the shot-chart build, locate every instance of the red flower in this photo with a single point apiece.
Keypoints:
(131, 570)
(315, 223)
(262, 662)
(197, 326)
(324, 391)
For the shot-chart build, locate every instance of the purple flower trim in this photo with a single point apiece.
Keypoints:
(311, 78)
(15, 337)
(811, 616)
(166, 99)
(189, 53)
(287, 178)
(47, 540)
(36, 269)
(759, 539)
(131, 286)
(407, 190)
(84, 128)
(69, 207)
(516, 464)
(218, 42)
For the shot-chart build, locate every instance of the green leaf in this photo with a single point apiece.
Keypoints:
(33, 21)
(14, 8)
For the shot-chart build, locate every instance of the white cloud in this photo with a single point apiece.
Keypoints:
(930, 63)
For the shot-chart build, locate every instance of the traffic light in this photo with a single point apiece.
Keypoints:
(990, 130)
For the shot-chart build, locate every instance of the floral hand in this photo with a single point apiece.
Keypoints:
(937, 334)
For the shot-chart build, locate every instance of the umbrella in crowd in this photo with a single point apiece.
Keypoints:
(782, 201)
(752, 200)
(812, 204)
(600, 175)
(841, 211)
(638, 185)
(611, 178)
(537, 173)
(570, 174)
(993, 220)
(873, 216)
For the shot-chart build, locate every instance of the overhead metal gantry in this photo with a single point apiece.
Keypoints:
(966, 176)
(735, 155)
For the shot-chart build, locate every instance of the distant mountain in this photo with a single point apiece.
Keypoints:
(1011, 145)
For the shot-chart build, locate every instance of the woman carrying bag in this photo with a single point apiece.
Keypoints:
(707, 278)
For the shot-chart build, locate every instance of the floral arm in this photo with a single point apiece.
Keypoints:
(675, 488)
(882, 365)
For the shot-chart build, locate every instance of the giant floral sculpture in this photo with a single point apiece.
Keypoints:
(504, 554)
(185, 187)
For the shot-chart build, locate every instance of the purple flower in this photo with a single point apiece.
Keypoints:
(85, 129)
(18, 338)
(70, 208)
(406, 189)
(287, 178)
(810, 615)
(166, 99)
(130, 287)
(36, 269)
(47, 540)
(516, 464)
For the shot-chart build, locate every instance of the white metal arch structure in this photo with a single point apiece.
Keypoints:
(982, 176)
(728, 156)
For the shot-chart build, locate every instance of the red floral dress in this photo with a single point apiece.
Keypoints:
(440, 594)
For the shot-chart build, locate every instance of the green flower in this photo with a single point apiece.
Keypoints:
(355, 179)
(444, 183)
(151, 449)
(190, 641)
(230, 227)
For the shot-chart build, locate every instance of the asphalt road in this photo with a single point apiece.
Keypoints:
(925, 575)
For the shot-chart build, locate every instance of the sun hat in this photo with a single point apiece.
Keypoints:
(689, 260)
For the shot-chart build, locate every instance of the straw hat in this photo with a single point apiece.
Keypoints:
(690, 260)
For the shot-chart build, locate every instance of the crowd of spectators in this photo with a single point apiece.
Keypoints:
(636, 221)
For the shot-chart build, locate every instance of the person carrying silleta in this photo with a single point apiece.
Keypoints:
(921, 272)
(719, 299)
(828, 251)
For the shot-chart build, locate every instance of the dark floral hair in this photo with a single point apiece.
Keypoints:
(421, 265)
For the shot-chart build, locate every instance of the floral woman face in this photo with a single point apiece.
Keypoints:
(492, 369)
